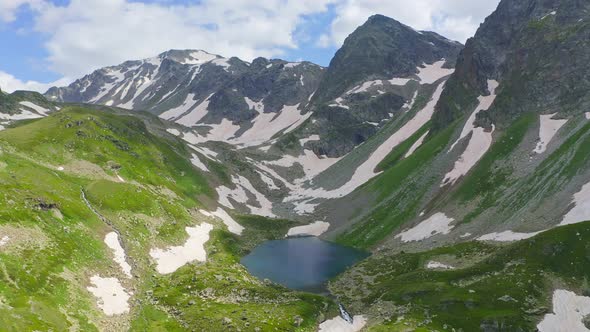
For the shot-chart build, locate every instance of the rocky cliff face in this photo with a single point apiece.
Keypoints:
(371, 78)
(537, 50)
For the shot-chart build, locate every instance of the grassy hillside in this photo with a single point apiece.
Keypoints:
(144, 187)
(494, 286)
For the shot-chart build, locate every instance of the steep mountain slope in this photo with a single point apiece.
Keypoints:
(105, 226)
(22, 105)
(518, 172)
(372, 78)
(223, 99)
(506, 160)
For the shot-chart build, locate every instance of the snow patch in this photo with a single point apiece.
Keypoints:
(267, 125)
(416, 145)
(196, 114)
(549, 127)
(197, 162)
(338, 324)
(41, 110)
(432, 265)
(581, 210)
(432, 73)
(4, 240)
(112, 297)
(171, 259)
(479, 143)
(506, 236)
(23, 115)
(311, 163)
(173, 131)
(587, 114)
(569, 310)
(231, 224)
(180, 110)
(316, 229)
(438, 223)
(218, 132)
(485, 102)
(112, 241)
(311, 138)
(239, 195)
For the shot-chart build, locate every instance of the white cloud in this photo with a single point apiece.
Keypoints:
(8, 8)
(9, 83)
(454, 19)
(84, 35)
(88, 34)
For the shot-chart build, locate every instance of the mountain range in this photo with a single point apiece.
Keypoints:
(463, 169)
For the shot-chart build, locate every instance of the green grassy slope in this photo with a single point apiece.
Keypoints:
(508, 287)
(56, 240)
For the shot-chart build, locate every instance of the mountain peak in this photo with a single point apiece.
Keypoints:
(191, 57)
(383, 48)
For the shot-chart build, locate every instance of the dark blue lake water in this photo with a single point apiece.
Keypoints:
(304, 263)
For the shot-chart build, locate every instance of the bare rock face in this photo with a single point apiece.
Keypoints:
(537, 50)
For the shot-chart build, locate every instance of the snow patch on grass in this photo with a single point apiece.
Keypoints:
(112, 297)
(438, 223)
(112, 241)
(432, 265)
(23, 115)
(41, 110)
(581, 210)
(569, 310)
(338, 324)
(416, 145)
(231, 224)
(171, 259)
(316, 229)
(507, 236)
(549, 127)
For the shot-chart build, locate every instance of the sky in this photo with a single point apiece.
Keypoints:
(53, 42)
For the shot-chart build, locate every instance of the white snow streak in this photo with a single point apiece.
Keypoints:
(581, 210)
(507, 236)
(432, 265)
(416, 145)
(315, 229)
(547, 130)
(198, 163)
(231, 224)
(479, 143)
(438, 223)
(195, 115)
(112, 241)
